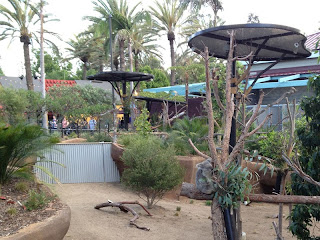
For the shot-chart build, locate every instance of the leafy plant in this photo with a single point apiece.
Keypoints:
(196, 129)
(302, 215)
(37, 200)
(142, 124)
(18, 143)
(178, 209)
(271, 145)
(233, 186)
(208, 203)
(97, 137)
(152, 170)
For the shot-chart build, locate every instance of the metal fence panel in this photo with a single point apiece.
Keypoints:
(84, 162)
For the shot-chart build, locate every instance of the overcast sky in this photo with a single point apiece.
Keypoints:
(301, 15)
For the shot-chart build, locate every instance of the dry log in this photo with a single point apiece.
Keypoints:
(126, 209)
(189, 190)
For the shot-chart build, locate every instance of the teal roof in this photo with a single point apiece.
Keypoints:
(296, 80)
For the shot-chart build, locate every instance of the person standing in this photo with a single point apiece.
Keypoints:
(92, 125)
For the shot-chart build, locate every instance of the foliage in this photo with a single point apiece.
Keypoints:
(271, 145)
(18, 143)
(160, 78)
(237, 187)
(143, 126)
(76, 103)
(97, 137)
(196, 129)
(12, 211)
(1, 72)
(55, 66)
(163, 96)
(21, 186)
(302, 215)
(19, 105)
(152, 170)
(37, 200)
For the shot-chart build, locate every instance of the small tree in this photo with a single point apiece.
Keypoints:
(152, 169)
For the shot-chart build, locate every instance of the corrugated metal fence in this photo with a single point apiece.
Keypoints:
(84, 162)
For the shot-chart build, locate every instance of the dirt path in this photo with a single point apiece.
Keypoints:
(192, 222)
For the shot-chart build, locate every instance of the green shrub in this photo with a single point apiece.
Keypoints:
(196, 129)
(17, 143)
(37, 200)
(208, 203)
(178, 209)
(152, 170)
(97, 137)
(143, 126)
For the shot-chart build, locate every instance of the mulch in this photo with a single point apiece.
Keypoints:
(10, 197)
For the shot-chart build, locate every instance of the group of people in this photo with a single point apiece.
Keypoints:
(65, 123)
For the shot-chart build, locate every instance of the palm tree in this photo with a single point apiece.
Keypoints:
(17, 25)
(123, 21)
(81, 49)
(170, 17)
(196, 5)
(19, 21)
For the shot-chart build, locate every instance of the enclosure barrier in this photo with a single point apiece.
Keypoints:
(83, 163)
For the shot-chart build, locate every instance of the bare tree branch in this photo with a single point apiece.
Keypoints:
(216, 91)
(197, 150)
(298, 170)
(229, 102)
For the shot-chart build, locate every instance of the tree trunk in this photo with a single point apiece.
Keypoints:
(27, 65)
(218, 225)
(173, 63)
(121, 53)
(84, 71)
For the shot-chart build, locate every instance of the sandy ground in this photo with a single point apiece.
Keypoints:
(192, 222)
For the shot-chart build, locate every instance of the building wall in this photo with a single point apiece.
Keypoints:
(271, 95)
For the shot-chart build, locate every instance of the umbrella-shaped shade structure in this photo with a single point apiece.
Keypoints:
(266, 41)
(117, 78)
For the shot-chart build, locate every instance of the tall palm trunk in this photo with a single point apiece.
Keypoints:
(27, 65)
(121, 53)
(171, 38)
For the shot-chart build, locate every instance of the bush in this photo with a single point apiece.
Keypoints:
(97, 137)
(37, 200)
(18, 143)
(152, 170)
(196, 129)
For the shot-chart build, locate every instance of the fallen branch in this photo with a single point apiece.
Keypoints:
(126, 209)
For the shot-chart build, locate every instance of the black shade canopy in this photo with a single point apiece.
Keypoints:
(120, 76)
(266, 41)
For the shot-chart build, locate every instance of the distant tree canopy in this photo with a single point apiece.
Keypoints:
(252, 18)
(160, 78)
(76, 103)
(55, 68)
(1, 72)
(19, 105)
